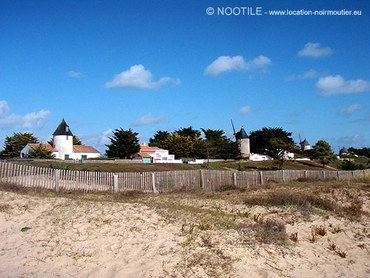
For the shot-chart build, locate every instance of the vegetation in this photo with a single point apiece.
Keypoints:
(182, 145)
(40, 152)
(158, 139)
(282, 148)
(270, 141)
(124, 144)
(190, 143)
(111, 166)
(323, 152)
(360, 152)
(14, 144)
(217, 145)
(187, 143)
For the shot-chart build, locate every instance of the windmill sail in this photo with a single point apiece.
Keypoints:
(233, 127)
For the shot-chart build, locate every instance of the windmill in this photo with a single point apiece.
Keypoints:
(242, 139)
(304, 144)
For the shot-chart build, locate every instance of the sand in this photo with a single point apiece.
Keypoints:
(56, 236)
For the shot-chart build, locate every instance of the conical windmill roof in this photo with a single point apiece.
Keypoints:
(63, 129)
(241, 134)
(305, 143)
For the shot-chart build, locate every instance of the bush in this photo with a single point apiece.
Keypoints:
(350, 165)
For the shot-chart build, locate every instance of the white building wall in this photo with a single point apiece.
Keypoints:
(259, 157)
(24, 151)
(80, 155)
(244, 146)
(64, 145)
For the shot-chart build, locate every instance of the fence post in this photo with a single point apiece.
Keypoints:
(56, 175)
(201, 179)
(234, 179)
(261, 177)
(153, 183)
(115, 182)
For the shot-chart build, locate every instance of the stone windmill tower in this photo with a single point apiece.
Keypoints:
(305, 146)
(243, 140)
(63, 140)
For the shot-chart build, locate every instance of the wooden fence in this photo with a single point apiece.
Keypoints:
(56, 179)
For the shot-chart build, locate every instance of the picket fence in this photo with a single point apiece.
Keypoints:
(70, 180)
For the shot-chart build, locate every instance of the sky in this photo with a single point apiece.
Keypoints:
(166, 65)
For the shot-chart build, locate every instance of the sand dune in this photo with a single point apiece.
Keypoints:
(54, 236)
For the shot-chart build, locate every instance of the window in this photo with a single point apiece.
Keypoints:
(66, 156)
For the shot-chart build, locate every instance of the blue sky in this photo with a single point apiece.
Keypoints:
(164, 65)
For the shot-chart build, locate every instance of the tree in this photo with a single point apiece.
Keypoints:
(76, 141)
(158, 138)
(362, 152)
(41, 151)
(323, 152)
(189, 131)
(282, 149)
(14, 144)
(181, 145)
(124, 143)
(217, 145)
(270, 141)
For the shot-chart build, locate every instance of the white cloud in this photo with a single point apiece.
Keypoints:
(138, 77)
(333, 85)
(307, 75)
(315, 50)
(74, 74)
(348, 111)
(148, 119)
(245, 110)
(4, 108)
(227, 63)
(27, 121)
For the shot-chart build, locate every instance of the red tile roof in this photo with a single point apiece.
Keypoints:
(144, 155)
(47, 146)
(146, 149)
(84, 149)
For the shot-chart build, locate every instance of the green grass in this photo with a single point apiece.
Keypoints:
(154, 167)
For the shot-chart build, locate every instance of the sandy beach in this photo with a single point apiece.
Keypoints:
(179, 235)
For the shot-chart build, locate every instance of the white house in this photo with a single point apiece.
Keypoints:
(63, 147)
(29, 146)
(259, 157)
(157, 155)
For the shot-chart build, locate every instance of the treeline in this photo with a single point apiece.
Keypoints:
(203, 143)
(360, 152)
(183, 143)
(208, 143)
